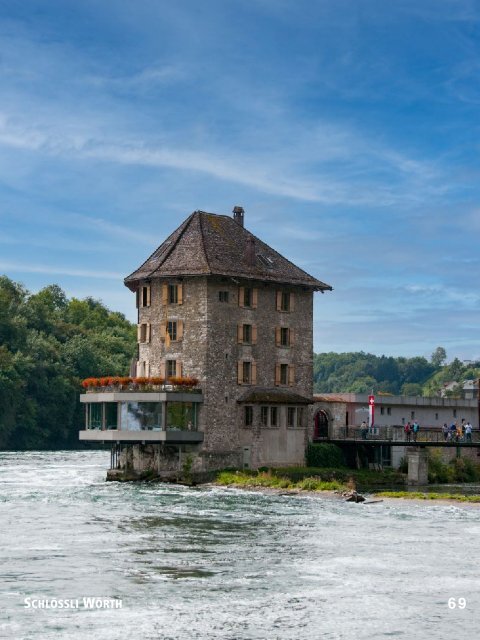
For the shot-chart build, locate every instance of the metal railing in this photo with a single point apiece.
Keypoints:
(397, 434)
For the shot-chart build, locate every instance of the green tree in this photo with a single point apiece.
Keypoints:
(438, 357)
(47, 345)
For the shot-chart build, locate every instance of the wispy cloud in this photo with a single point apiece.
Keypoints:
(18, 267)
(279, 176)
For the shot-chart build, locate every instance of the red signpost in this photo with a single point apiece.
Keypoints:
(371, 411)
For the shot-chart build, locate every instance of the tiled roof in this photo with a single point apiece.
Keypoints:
(273, 396)
(211, 244)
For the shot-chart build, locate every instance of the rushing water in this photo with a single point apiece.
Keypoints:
(212, 563)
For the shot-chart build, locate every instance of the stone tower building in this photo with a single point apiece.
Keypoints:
(218, 304)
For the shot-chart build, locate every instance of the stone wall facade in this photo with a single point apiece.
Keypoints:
(212, 348)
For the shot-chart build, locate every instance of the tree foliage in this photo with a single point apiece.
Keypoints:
(364, 372)
(48, 343)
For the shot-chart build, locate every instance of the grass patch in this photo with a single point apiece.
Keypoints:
(418, 495)
(273, 481)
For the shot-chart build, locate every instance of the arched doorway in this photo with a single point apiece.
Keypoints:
(320, 425)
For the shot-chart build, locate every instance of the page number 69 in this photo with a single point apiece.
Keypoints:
(457, 603)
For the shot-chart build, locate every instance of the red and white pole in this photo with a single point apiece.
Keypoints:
(371, 411)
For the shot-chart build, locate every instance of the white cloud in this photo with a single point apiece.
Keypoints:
(18, 267)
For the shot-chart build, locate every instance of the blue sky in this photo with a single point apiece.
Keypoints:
(348, 130)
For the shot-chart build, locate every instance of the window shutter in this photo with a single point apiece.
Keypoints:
(240, 333)
(180, 330)
(292, 301)
(254, 334)
(163, 330)
(164, 294)
(254, 373)
(277, 374)
(149, 295)
(279, 300)
(241, 296)
(240, 372)
(178, 369)
(180, 293)
(291, 375)
(139, 332)
(278, 334)
(291, 337)
(148, 333)
(162, 369)
(254, 298)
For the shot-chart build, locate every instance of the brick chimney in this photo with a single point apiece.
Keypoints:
(238, 214)
(250, 252)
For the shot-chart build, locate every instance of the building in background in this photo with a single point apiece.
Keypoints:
(339, 415)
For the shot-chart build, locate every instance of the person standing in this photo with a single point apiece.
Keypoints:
(468, 432)
(364, 430)
(408, 431)
(445, 431)
(415, 429)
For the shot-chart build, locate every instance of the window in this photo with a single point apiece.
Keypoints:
(143, 296)
(294, 417)
(284, 301)
(247, 372)
(284, 374)
(146, 296)
(223, 296)
(143, 332)
(412, 415)
(171, 368)
(172, 294)
(181, 416)
(382, 410)
(247, 297)
(143, 369)
(300, 417)
(264, 416)
(246, 334)
(172, 329)
(454, 413)
(389, 411)
(283, 337)
(273, 416)
(269, 416)
(248, 415)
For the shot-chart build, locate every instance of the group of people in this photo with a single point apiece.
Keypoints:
(411, 429)
(452, 433)
(456, 432)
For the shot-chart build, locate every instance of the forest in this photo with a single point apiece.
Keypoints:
(49, 344)
(364, 372)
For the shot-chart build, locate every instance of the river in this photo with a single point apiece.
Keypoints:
(217, 563)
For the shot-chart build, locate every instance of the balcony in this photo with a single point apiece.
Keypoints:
(142, 412)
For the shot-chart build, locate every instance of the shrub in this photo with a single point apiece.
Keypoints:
(438, 471)
(324, 455)
(464, 470)
(403, 466)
